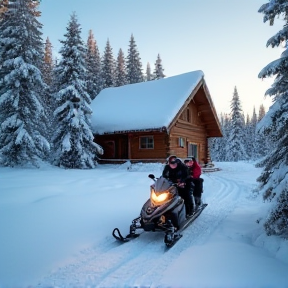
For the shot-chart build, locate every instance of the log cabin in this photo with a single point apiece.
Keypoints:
(148, 121)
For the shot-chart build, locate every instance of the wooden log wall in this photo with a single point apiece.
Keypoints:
(161, 146)
(189, 127)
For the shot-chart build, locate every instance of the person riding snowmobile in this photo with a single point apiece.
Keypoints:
(195, 173)
(177, 172)
(167, 207)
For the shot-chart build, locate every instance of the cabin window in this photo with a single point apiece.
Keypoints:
(181, 142)
(146, 142)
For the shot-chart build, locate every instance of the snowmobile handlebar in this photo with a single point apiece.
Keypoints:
(152, 176)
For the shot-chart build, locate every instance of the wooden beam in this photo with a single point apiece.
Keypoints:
(204, 110)
(210, 122)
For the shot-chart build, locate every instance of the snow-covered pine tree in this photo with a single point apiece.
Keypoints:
(3, 7)
(48, 98)
(254, 148)
(133, 62)
(261, 113)
(235, 150)
(250, 136)
(32, 4)
(248, 140)
(121, 77)
(213, 145)
(22, 117)
(226, 128)
(48, 64)
(73, 144)
(263, 142)
(93, 63)
(218, 145)
(149, 75)
(108, 67)
(274, 177)
(158, 70)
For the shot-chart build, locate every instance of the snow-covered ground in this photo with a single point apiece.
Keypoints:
(56, 231)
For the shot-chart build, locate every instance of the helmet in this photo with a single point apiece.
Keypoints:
(172, 158)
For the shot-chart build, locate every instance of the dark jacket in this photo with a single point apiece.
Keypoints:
(177, 175)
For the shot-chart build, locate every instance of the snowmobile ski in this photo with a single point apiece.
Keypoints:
(118, 236)
(173, 241)
(132, 235)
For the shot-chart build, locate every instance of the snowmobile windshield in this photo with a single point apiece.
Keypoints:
(162, 191)
(162, 184)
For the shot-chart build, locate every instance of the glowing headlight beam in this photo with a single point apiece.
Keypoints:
(159, 198)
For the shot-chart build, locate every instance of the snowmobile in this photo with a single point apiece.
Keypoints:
(163, 211)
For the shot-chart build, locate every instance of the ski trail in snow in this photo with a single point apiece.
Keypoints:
(149, 272)
(141, 261)
(95, 264)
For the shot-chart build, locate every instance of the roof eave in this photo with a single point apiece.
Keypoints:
(159, 129)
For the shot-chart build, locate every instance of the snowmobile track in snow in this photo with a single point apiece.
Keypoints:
(129, 264)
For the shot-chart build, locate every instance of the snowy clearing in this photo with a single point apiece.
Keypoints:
(56, 230)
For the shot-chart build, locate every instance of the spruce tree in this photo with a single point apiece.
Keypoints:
(149, 75)
(158, 70)
(108, 67)
(93, 62)
(3, 7)
(133, 62)
(250, 136)
(274, 177)
(218, 145)
(261, 112)
(73, 139)
(22, 117)
(253, 135)
(226, 127)
(262, 141)
(48, 98)
(120, 74)
(248, 140)
(235, 150)
(48, 64)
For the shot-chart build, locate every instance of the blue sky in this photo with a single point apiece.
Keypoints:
(225, 39)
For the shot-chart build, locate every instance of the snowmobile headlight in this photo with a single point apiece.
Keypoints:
(161, 198)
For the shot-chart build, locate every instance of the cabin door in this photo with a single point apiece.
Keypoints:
(123, 148)
(109, 150)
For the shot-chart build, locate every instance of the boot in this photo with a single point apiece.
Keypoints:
(198, 202)
(188, 210)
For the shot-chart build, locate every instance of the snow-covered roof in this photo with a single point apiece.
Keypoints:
(142, 106)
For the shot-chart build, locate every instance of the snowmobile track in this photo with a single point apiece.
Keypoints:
(112, 263)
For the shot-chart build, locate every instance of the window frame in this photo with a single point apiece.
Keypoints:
(181, 142)
(193, 149)
(147, 143)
